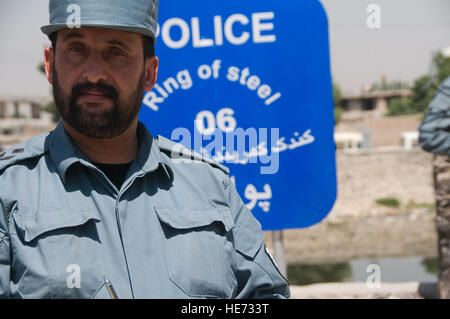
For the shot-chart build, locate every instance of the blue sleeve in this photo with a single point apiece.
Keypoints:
(256, 273)
(434, 130)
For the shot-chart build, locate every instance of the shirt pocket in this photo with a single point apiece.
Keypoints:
(198, 250)
(57, 253)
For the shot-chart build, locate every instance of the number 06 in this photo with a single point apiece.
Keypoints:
(225, 121)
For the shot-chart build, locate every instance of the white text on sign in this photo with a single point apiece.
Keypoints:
(183, 80)
(260, 31)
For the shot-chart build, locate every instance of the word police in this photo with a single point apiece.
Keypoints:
(176, 32)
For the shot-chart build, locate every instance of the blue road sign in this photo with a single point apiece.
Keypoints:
(248, 84)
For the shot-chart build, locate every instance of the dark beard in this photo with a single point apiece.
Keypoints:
(107, 124)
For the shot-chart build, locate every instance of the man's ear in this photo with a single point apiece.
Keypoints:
(49, 63)
(151, 72)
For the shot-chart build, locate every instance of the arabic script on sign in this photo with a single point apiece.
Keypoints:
(258, 197)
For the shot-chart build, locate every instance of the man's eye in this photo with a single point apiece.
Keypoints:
(75, 49)
(117, 53)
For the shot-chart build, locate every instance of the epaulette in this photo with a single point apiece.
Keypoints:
(172, 148)
(33, 147)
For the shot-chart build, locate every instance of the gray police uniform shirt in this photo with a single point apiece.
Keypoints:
(177, 228)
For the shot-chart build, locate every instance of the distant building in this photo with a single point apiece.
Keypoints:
(22, 118)
(348, 140)
(376, 101)
(364, 125)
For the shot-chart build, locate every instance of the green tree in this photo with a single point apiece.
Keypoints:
(312, 274)
(385, 85)
(423, 92)
(431, 265)
(400, 106)
(337, 99)
(442, 64)
(423, 89)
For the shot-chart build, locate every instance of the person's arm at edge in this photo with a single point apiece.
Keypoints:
(256, 273)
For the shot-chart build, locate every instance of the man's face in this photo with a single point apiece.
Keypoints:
(98, 77)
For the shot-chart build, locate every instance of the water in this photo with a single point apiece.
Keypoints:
(396, 269)
(391, 270)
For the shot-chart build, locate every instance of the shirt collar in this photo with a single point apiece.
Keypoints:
(64, 153)
(149, 157)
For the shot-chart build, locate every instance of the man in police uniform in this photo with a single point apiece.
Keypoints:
(98, 208)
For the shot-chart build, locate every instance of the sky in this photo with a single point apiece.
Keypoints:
(410, 32)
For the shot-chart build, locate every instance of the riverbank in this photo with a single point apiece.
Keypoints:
(360, 290)
(358, 226)
(386, 233)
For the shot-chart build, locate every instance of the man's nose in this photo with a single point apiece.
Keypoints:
(94, 70)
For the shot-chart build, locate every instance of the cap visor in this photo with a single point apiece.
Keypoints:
(49, 29)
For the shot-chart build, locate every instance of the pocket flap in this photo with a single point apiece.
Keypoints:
(192, 217)
(33, 223)
(248, 234)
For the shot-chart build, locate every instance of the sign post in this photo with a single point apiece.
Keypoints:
(278, 248)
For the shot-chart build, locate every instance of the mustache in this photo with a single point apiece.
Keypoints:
(82, 88)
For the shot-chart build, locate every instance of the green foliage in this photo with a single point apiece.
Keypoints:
(423, 92)
(338, 111)
(394, 85)
(413, 205)
(310, 274)
(337, 99)
(400, 106)
(396, 106)
(424, 89)
(442, 65)
(389, 202)
(431, 265)
(337, 95)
